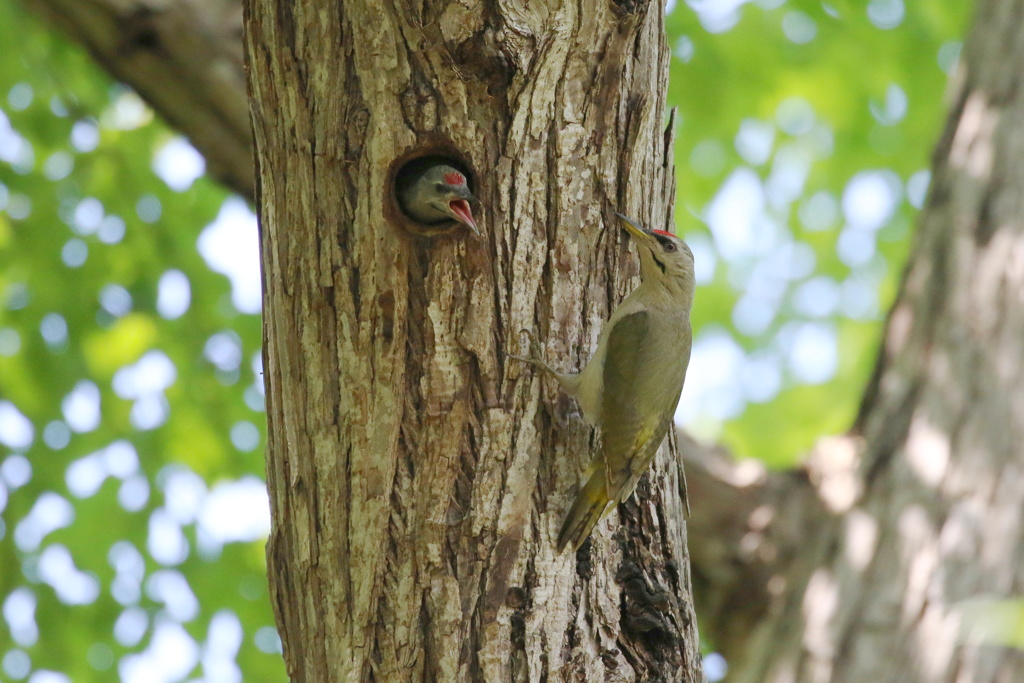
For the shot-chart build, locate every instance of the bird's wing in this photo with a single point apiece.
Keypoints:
(641, 390)
(624, 425)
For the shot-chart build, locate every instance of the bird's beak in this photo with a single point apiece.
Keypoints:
(635, 231)
(460, 209)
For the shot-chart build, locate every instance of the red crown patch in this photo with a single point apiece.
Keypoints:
(662, 232)
(454, 178)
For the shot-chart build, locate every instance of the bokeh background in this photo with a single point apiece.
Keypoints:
(132, 508)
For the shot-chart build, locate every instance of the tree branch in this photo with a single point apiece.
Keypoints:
(750, 527)
(184, 58)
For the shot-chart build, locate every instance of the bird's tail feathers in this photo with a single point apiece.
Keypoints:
(587, 510)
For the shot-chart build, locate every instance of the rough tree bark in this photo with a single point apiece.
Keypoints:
(417, 476)
(863, 567)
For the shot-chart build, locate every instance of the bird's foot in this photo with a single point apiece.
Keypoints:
(535, 352)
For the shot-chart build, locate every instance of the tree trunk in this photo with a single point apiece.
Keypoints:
(871, 567)
(418, 476)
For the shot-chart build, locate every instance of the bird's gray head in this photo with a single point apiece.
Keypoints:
(439, 194)
(664, 258)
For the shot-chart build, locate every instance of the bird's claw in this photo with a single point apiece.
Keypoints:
(535, 351)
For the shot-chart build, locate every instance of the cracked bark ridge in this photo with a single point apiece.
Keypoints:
(899, 529)
(417, 478)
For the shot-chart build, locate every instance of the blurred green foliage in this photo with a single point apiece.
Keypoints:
(795, 98)
(70, 137)
(993, 622)
(840, 90)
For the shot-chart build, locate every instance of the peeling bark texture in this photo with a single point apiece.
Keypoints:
(184, 57)
(876, 572)
(418, 477)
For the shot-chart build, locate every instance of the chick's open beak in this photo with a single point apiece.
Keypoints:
(460, 209)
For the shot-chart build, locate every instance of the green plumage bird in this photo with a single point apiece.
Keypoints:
(631, 386)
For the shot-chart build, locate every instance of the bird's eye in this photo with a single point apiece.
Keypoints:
(439, 187)
(670, 246)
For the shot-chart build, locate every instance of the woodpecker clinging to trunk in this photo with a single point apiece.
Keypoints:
(631, 385)
(433, 193)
